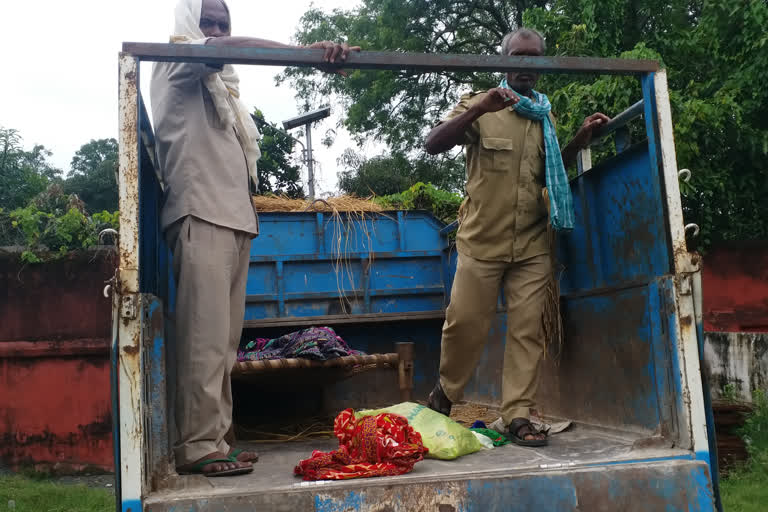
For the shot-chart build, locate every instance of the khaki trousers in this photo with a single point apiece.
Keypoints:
(210, 265)
(468, 320)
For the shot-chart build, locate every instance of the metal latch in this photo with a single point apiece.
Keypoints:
(128, 307)
(685, 286)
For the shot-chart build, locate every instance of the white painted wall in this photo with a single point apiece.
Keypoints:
(737, 358)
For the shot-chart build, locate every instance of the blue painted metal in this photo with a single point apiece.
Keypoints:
(158, 458)
(309, 265)
(620, 234)
(131, 506)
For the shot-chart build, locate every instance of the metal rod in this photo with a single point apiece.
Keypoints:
(310, 163)
(620, 120)
(424, 62)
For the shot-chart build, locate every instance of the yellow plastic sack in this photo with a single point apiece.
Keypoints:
(444, 438)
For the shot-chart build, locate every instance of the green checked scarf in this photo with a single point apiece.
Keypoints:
(561, 202)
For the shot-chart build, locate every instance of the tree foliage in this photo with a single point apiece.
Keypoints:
(424, 196)
(278, 174)
(53, 224)
(397, 106)
(23, 174)
(715, 54)
(390, 174)
(93, 175)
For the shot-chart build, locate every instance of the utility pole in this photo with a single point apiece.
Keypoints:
(306, 121)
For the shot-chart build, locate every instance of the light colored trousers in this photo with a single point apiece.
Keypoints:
(210, 266)
(474, 297)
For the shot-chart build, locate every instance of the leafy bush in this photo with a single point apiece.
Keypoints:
(424, 196)
(755, 431)
(52, 225)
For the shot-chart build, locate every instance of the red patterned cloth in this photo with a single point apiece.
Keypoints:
(381, 445)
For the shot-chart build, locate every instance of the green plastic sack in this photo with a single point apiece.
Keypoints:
(444, 438)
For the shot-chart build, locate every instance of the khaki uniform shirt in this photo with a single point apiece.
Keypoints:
(202, 163)
(504, 216)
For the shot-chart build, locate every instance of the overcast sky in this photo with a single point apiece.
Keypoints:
(59, 78)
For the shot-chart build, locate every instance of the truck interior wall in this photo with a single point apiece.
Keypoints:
(614, 368)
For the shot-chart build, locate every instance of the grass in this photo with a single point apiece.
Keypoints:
(32, 495)
(745, 489)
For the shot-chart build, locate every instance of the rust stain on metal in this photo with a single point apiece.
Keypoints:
(686, 321)
(128, 174)
(441, 497)
(131, 350)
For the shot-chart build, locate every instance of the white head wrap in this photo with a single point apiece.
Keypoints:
(223, 86)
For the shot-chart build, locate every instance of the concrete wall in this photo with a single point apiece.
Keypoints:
(735, 289)
(739, 359)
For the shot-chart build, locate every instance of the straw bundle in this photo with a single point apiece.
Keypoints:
(551, 318)
(272, 203)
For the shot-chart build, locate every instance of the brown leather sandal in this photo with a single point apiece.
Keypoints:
(521, 427)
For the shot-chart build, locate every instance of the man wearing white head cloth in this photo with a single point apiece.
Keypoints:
(208, 148)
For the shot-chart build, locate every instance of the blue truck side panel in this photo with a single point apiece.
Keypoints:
(311, 265)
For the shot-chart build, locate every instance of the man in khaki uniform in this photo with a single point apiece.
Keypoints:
(502, 239)
(207, 148)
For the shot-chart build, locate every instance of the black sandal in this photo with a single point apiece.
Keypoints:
(438, 402)
(521, 427)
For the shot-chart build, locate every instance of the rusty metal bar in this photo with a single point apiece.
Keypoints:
(620, 120)
(424, 62)
(304, 321)
(129, 365)
(405, 352)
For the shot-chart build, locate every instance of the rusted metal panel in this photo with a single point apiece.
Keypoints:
(55, 408)
(55, 349)
(639, 487)
(735, 288)
(385, 60)
(128, 179)
(159, 459)
(58, 300)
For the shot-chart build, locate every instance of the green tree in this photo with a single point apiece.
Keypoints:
(375, 99)
(715, 53)
(23, 174)
(390, 174)
(715, 56)
(278, 174)
(93, 175)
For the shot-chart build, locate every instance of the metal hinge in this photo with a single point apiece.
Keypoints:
(128, 307)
